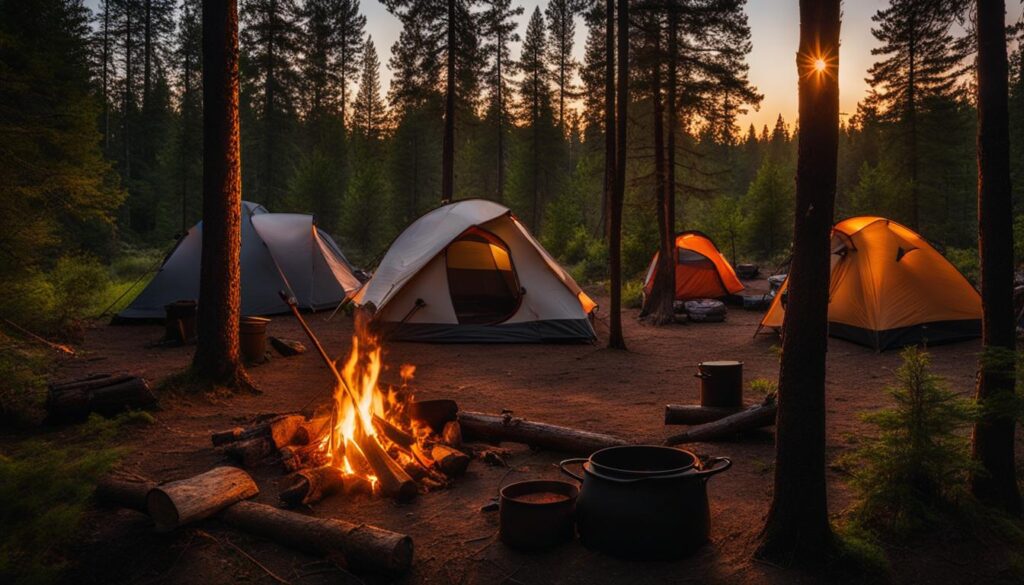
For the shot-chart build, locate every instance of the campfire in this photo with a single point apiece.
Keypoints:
(372, 436)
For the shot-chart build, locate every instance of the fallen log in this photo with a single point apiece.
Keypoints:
(360, 546)
(393, 480)
(120, 493)
(450, 461)
(695, 414)
(250, 452)
(754, 417)
(89, 383)
(280, 429)
(538, 435)
(188, 500)
(106, 396)
(309, 486)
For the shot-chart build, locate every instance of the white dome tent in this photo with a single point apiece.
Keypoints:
(280, 251)
(470, 272)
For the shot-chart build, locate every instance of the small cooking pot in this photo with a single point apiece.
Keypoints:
(721, 383)
(537, 514)
(644, 501)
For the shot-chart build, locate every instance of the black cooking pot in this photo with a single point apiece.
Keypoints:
(644, 501)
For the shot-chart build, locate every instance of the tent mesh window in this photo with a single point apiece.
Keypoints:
(481, 279)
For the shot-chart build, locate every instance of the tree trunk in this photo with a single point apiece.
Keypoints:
(673, 123)
(609, 116)
(797, 528)
(658, 306)
(993, 438)
(105, 77)
(448, 153)
(501, 128)
(615, 339)
(127, 114)
(147, 55)
(217, 359)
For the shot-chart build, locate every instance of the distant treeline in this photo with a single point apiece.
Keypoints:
(102, 123)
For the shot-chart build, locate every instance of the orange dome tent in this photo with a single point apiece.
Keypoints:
(891, 288)
(701, 270)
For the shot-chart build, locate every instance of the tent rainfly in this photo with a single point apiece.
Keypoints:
(470, 272)
(701, 270)
(280, 251)
(891, 288)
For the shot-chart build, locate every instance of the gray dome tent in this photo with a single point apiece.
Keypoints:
(280, 251)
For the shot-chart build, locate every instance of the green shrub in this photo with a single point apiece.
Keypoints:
(80, 284)
(633, 294)
(23, 389)
(593, 267)
(45, 487)
(966, 261)
(763, 387)
(917, 463)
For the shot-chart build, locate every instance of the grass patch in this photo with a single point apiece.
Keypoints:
(22, 394)
(45, 487)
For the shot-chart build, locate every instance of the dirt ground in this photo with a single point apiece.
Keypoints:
(584, 386)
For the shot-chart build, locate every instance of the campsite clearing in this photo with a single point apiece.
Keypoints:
(585, 386)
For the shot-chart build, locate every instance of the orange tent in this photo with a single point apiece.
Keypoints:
(701, 270)
(891, 288)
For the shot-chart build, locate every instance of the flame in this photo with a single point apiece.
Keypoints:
(365, 401)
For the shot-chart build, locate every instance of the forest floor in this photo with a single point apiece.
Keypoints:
(584, 386)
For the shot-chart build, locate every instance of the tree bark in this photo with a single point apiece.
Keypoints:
(448, 152)
(797, 529)
(993, 437)
(217, 358)
(615, 339)
(189, 500)
(609, 117)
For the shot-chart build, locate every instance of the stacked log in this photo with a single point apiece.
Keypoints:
(104, 394)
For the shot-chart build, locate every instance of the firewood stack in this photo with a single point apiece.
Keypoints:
(392, 461)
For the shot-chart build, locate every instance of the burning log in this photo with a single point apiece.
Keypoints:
(362, 547)
(280, 429)
(312, 430)
(121, 493)
(538, 435)
(452, 434)
(694, 414)
(393, 480)
(451, 462)
(296, 457)
(756, 416)
(73, 401)
(393, 433)
(188, 500)
(312, 485)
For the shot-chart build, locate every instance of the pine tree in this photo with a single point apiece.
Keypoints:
(797, 529)
(369, 113)
(270, 40)
(994, 434)
(448, 29)
(498, 28)
(561, 33)
(189, 55)
(920, 64)
(535, 116)
(349, 27)
(66, 198)
(217, 359)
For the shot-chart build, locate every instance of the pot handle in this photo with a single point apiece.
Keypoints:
(702, 375)
(563, 464)
(711, 469)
